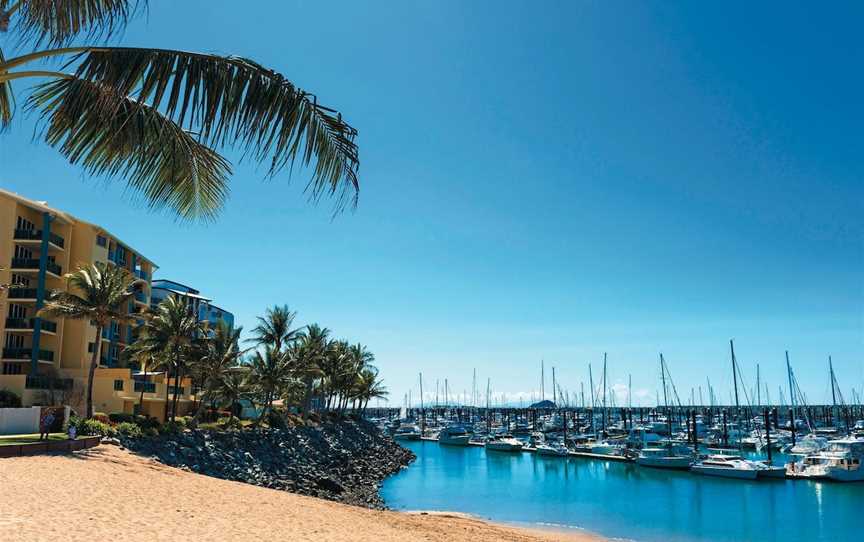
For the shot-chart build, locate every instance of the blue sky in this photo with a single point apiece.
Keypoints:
(548, 180)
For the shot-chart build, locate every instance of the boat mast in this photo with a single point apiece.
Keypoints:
(734, 375)
(758, 388)
(833, 385)
(604, 395)
(791, 389)
(665, 399)
(542, 382)
(554, 389)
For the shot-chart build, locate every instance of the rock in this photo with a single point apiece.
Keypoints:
(344, 461)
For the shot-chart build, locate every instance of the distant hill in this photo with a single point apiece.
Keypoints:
(544, 404)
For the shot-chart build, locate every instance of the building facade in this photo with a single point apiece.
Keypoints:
(200, 305)
(46, 361)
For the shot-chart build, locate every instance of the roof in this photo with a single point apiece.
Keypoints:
(67, 218)
(182, 293)
(39, 206)
(157, 281)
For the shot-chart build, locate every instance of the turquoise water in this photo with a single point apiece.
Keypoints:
(621, 500)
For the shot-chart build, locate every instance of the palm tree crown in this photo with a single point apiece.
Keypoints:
(155, 116)
(100, 293)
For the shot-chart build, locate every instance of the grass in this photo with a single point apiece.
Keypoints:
(14, 440)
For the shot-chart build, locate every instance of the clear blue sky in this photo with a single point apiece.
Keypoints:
(540, 180)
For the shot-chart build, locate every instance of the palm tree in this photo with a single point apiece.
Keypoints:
(221, 353)
(274, 328)
(172, 330)
(147, 359)
(230, 388)
(369, 386)
(269, 374)
(99, 293)
(155, 116)
(312, 349)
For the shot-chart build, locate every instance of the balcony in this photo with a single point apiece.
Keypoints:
(36, 235)
(30, 324)
(48, 383)
(23, 354)
(33, 264)
(146, 387)
(141, 274)
(23, 293)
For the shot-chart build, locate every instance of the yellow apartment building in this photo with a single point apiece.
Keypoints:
(45, 361)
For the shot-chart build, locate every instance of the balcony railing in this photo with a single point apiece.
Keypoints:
(33, 263)
(147, 387)
(48, 383)
(22, 293)
(141, 274)
(36, 235)
(25, 353)
(30, 323)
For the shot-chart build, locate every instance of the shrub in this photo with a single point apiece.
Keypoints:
(101, 417)
(146, 423)
(93, 427)
(121, 417)
(229, 423)
(276, 420)
(129, 429)
(9, 399)
(172, 428)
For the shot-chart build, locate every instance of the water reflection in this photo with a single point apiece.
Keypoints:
(623, 500)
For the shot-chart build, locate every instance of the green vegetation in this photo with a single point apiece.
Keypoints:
(14, 440)
(99, 293)
(154, 117)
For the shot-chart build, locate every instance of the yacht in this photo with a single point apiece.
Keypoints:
(407, 431)
(807, 445)
(454, 435)
(605, 447)
(665, 457)
(727, 466)
(840, 461)
(504, 444)
(555, 449)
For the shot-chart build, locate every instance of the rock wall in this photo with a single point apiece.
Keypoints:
(343, 461)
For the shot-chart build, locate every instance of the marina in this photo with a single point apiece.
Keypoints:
(620, 499)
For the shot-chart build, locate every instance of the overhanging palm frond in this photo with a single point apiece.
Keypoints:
(111, 134)
(7, 100)
(232, 101)
(58, 22)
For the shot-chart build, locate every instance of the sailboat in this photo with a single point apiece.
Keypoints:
(669, 455)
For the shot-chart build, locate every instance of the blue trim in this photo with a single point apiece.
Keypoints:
(40, 292)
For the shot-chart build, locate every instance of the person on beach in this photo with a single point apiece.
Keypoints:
(45, 424)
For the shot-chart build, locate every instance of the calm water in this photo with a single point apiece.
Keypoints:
(624, 500)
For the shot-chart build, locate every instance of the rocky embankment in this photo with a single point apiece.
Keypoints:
(343, 461)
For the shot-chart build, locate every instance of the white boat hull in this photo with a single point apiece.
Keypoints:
(665, 462)
(739, 474)
(503, 447)
(455, 440)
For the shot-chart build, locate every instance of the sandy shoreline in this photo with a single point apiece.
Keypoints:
(110, 494)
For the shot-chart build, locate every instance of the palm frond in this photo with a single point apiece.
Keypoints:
(232, 101)
(111, 134)
(7, 99)
(58, 22)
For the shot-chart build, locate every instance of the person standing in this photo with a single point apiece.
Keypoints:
(45, 423)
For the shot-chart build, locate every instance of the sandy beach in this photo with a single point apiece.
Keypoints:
(110, 494)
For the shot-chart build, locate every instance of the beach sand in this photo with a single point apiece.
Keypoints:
(109, 494)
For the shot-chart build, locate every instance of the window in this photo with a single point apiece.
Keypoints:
(23, 253)
(11, 369)
(118, 385)
(24, 224)
(90, 347)
(17, 311)
(20, 280)
(14, 341)
(101, 240)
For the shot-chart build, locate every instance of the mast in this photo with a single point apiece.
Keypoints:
(665, 399)
(604, 394)
(791, 388)
(422, 412)
(833, 385)
(542, 382)
(758, 387)
(630, 391)
(554, 388)
(734, 375)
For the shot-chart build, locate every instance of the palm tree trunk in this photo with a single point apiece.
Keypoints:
(91, 374)
(177, 378)
(307, 400)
